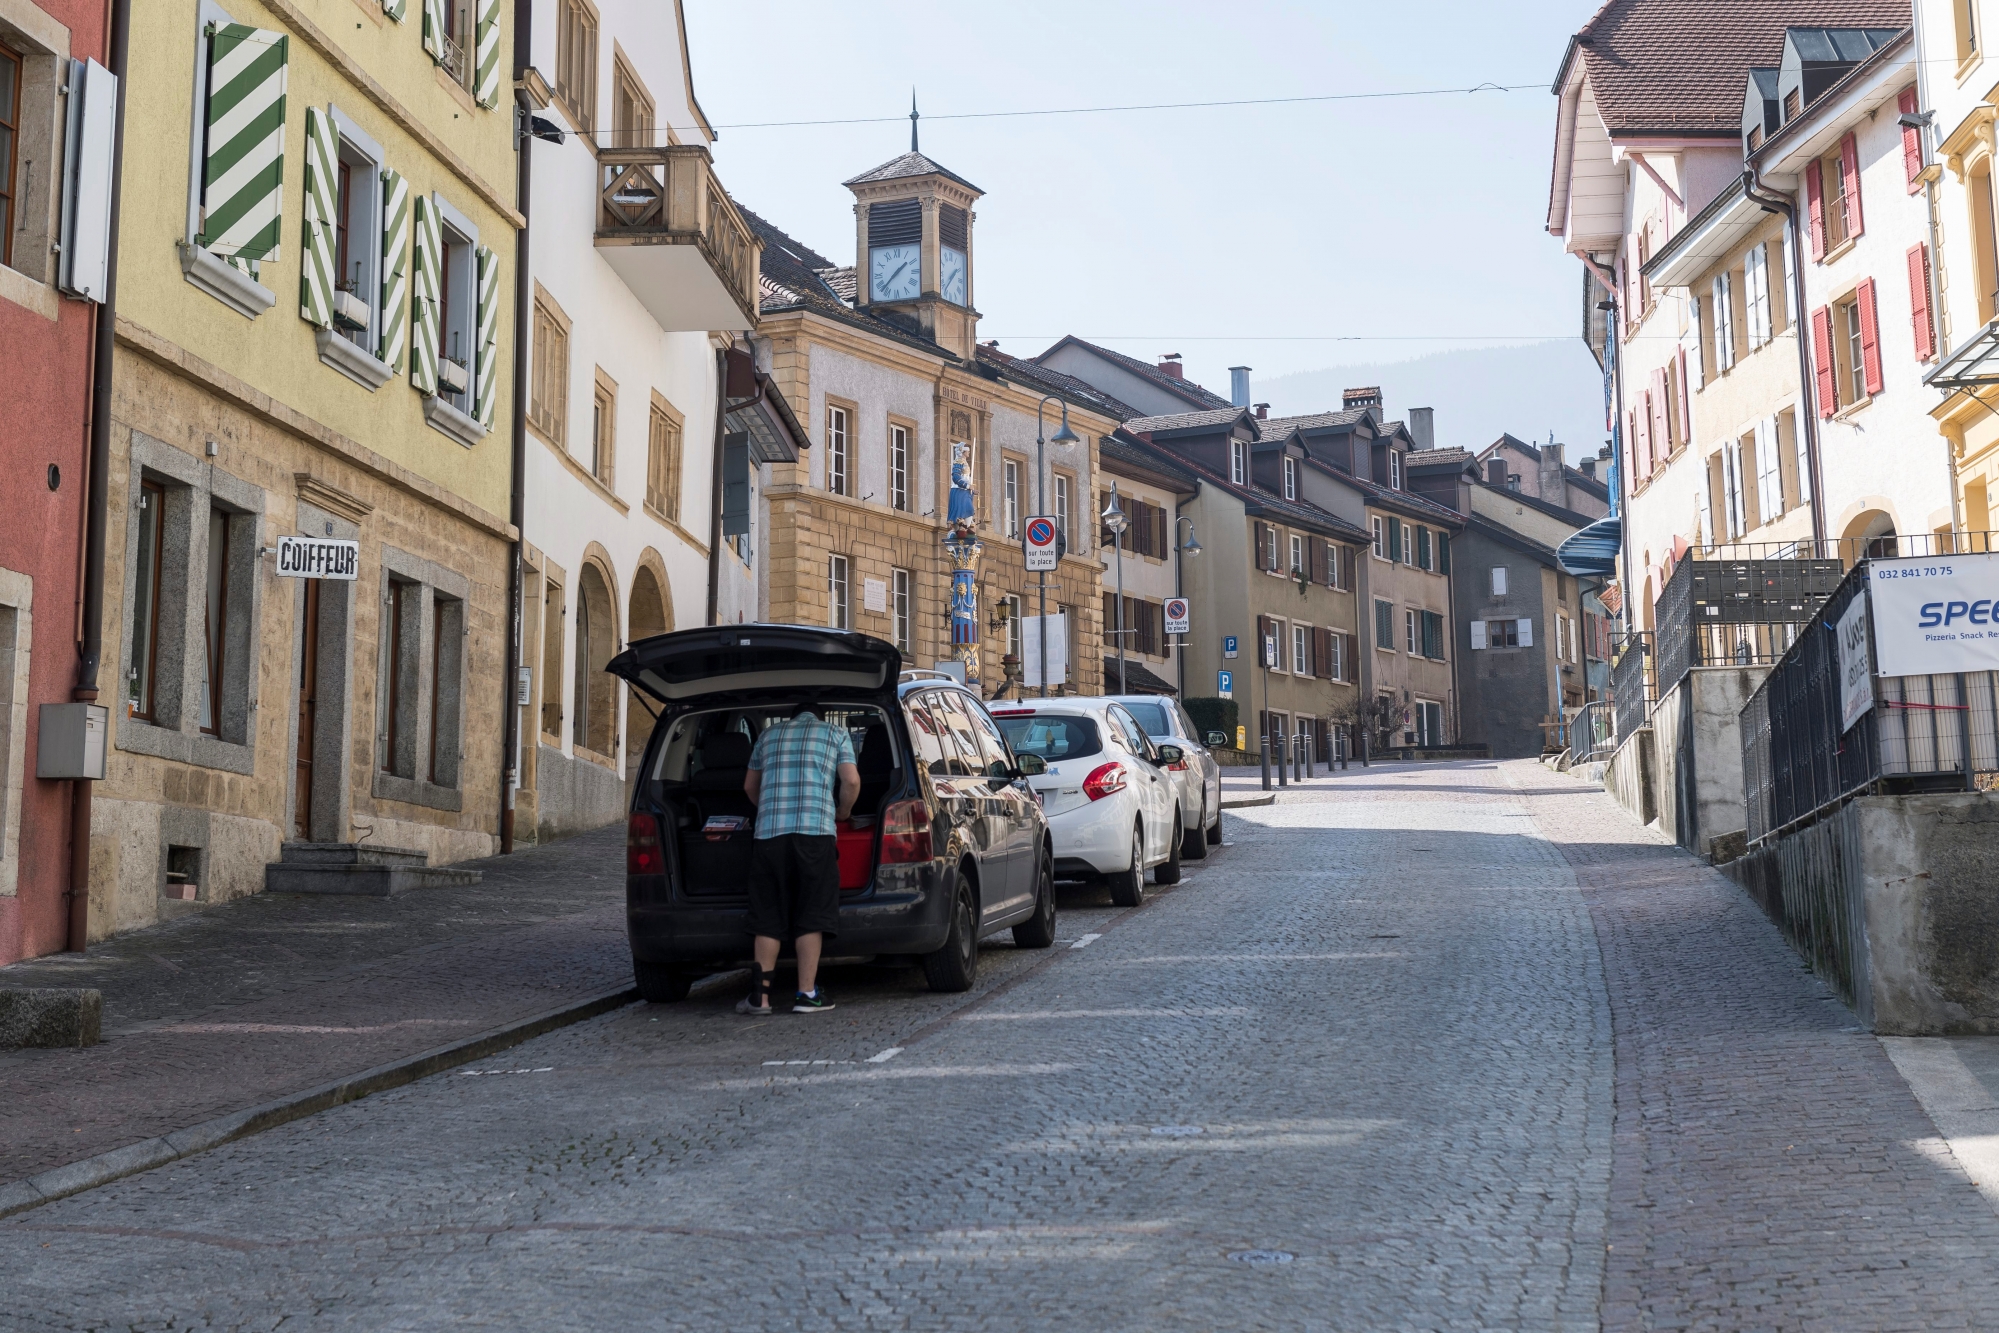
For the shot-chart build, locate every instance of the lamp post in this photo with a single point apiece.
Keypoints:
(1117, 521)
(1191, 547)
(1063, 435)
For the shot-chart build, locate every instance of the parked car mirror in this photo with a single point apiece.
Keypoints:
(1032, 765)
(1218, 739)
(1171, 754)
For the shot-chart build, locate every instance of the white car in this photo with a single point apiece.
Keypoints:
(1200, 777)
(1112, 805)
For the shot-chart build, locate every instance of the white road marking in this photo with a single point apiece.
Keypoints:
(1106, 1013)
(1087, 940)
(475, 1073)
(768, 1063)
(1259, 957)
(900, 1072)
(885, 1056)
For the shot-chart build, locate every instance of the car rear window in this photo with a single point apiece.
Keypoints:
(1053, 738)
(1152, 717)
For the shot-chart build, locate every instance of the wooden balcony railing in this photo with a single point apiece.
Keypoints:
(671, 196)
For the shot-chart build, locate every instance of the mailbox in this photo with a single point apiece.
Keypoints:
(71, 741)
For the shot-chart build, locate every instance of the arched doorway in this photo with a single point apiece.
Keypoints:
(1871, 535)
(596, 711)
(650, 613)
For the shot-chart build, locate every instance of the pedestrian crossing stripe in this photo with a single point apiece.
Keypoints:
(486, 61)
(427, 258)
(485, 362)
(395, 269)
(316, 275)
(243, 150)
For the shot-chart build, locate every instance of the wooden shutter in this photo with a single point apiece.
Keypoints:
(433, 29)
(1662, 430)
(1822, 361)
(486, 353)
(1322, 653)
(486, 58)
(427, 259)
(1912, 142)
(1919, 301)
(1257, 530)
(1644, 437)
(1443, 551)
(1316, 559)
(1815, 205)
(395, 270)
(1681, 401)
(1395, 540)
(243, 164)
(322, 185)
(395, 9)
(1478, 635)
(1849, 174)
(1526, 632)
(1161, 545)
(1870, 337)
(1110, 620)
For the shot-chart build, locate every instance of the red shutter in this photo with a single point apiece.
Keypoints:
(1870, 338)
(1822, 360)
(1919, 301)
(1645, 434)
(1849, 172)
(1686, 408)
(1815, 205)
(1631, 448)
(1912, 142)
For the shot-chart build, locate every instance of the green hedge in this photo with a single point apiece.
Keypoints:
(1213, 715)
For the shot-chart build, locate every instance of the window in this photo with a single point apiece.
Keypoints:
(1965, 14)
(460, 50)
(1010, 496)
(1756, 294)
(1854, 367)
(1239, 462)
(604, 428)
(1384, 626)
(1269, 547)
(632, 115)
(839, 596)
(1290, 478)
(1499, 580)
(145, 630)
(457, 309)
(1406, 532)
(390, 726)
(899, 606)
(11, 73)
(576, 61)
(898, 467)
(420, 686)
(1380, 537)
(1062, 509)
(1502, 634)
(548, 400)
(1301, 649)
(1410, 622)
(1336, 666)
(663, 460)
(1394, 469)
(838, 444)
(1297, 554)
(552, 612)
(1433, 635)
(1013, 629)
(1769, 470)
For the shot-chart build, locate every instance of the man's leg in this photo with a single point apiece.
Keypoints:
(807, 947)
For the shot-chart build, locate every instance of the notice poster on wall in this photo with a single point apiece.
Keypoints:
(1934, 614)
(1856, 674)
(1030, 650)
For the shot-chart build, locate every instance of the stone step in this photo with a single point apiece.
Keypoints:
(359, 868)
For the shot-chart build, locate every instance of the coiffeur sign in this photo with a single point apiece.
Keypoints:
(1935, 615)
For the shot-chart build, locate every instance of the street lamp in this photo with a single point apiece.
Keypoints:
(1063, 435)
(1117, 521)
(1191, 546)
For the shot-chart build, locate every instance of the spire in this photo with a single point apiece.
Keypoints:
(912, 120)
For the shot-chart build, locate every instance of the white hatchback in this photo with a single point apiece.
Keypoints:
(1112, 806)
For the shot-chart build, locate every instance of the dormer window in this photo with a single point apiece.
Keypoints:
(1793, 104)
(1394, 469)
(1239, 462)
(1290, 478)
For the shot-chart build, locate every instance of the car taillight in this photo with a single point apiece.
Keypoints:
(1103, 780)
(905, 833)
(642, 854)
(1180, 767)
(1010, 712)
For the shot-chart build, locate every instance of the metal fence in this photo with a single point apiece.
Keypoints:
(1589, 733)
(1631, 683)
(1738, 605)
(1924, 733)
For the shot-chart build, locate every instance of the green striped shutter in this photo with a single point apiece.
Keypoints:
(486, 66)
(433, 29)
(316, 276)
(427, 255)
(396, 9)
(485, 360)
(243, 158)
(395, 270)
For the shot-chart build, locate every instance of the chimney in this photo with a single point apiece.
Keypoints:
(1495, 472)
(1423, 427)
(1170, 365)
(1263, 411)
(1553, 485)
(1239, 385)
(1369, 397)
(1588, 468)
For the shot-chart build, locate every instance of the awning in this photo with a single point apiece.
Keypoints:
(1974, 363)
(757, 409)
(1137, 680)
(1594, 550)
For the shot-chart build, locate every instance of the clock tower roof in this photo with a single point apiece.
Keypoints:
(909, 165)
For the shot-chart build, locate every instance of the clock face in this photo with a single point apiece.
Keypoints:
(895, 273)
(954, 275)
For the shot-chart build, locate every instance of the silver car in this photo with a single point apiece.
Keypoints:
(1198, 775)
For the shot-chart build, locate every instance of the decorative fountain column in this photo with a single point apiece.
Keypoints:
(962, 544)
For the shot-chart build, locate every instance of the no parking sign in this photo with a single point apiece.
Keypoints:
(1176, 615)
(1039, 544)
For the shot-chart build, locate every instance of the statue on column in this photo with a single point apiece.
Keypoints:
(962, 543)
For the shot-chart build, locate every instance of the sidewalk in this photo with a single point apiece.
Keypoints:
(275, 994)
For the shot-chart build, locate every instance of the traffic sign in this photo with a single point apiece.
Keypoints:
(1270, 650)
(1228, 645)
(1226, 681)
(1039, 544)
(1176, 615)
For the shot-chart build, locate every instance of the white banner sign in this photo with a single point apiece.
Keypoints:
(1030, 650)
(1856, 675)
(319, 558)
(1934, 614)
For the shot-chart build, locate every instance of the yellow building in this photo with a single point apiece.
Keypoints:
(314, 341)
(881, 363)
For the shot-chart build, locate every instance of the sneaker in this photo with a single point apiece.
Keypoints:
(811, 1002)
(743, 1006)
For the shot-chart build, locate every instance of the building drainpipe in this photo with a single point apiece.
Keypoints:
(1180, 579)
(96, 511)
(1807, 381)
(517, 496)
(715, 490)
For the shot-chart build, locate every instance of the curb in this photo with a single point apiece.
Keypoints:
(75, 1177)
(1241, 802)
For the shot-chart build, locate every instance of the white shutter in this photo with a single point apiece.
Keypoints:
(486, 351)
(322, 202)
(427, 254)
(1526, 632)
(1478, 634)
(1499, 580)
(395, 270)
(486, 64)
(1769, 471)
(243, 167)
(1697, 336)
(433, 29)
(86, 221)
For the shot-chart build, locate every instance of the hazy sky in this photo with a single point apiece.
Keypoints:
(1216, 232)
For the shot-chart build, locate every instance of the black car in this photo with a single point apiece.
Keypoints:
(945, 845)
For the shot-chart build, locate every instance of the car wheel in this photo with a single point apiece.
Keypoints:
(1168, 872)
(1194, 845)
(1038, 931)
(661, 983)
(1128, 886)
(1215, 833)
(954, 967)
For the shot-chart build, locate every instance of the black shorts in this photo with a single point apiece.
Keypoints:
(795, 886)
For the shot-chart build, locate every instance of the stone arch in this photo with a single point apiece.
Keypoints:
(1869, 532)
(649, 612)
(595, 712)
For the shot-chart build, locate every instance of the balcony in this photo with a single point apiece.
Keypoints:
(668, 228)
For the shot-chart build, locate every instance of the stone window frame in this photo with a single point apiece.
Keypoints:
(428, 702)
(192, 487)
(17, 592)
(29, 277)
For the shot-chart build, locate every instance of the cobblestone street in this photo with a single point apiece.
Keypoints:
(1426, 1046)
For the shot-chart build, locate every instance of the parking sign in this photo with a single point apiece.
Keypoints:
(1228, 645)
(1176, 615)
(1226, 683)
(1039, 544)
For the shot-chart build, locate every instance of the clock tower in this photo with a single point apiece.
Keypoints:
(913, 249)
